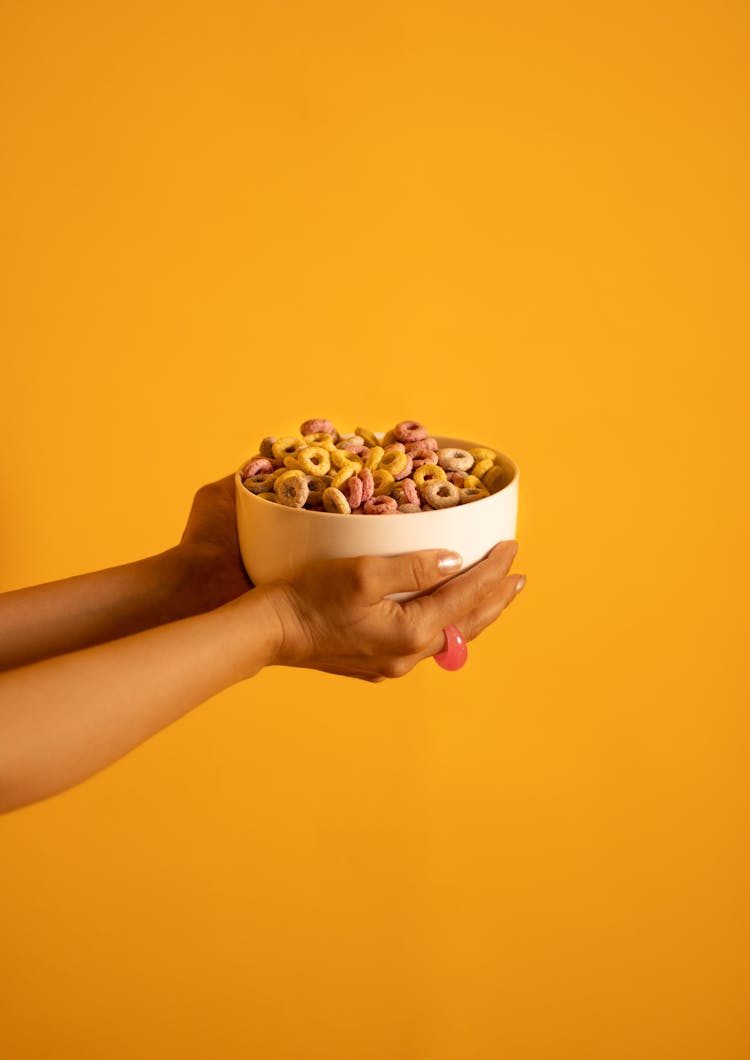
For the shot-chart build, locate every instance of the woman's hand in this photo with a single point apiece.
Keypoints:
(209, 545)
(334, 616)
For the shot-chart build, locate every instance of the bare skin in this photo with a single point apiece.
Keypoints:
(95, 665)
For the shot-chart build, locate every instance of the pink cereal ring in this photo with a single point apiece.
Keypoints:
(259, 466)
(409, 491)
(418, 463)
(409, 431)
(430, 443)
(457, 478)
(358, 450)
(406, 470)
(353, 490)
(317, 427)
(382, 505)
(419, 451)
(368, 484)
(395, 445)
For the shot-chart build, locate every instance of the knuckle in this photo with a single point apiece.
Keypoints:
(359, 576)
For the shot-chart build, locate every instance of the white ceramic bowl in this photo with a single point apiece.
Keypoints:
(276, 540)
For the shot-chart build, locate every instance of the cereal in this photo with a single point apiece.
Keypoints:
(362, 451)
(350, 439)
(316, 485)
(472, 493)
(396, 462)
(374, 457)
(281, 479)
(380, 506)
(369, 437)
(454, 459)
(441, 494)
(259, 483)
(368, 484)
(395, 445)
(409, 431)
(458, 478)
(317, 427)
(343, 474)
(419, 451)
(335, 502)
(340, 458)
(314, 460)
(266, 447)
(293, 491)
(286, 446)
(382, 482)
(481, 467)
(353, 491)
(259, 465)
(407, 508)
(409, 491)
(320, 438)
(428, 473)
(471, 482)
(494, 478)
(268, 497)
(482, 453)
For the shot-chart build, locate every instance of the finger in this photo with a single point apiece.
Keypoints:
(463, 594)
(474, 623)
(378, 576)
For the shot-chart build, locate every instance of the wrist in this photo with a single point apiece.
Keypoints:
(252, 632)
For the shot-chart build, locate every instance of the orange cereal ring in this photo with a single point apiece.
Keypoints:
(287, 473)
(369, 437)
(259, 483)
(343, 474)
(317, 427)
(286, 446)
(472, 493)
(368, 486)
(293, 491)
(495, 479)
(374, 457)
(409, 508)
(471, 482)
(353, 491)
(481, 468)
(266, 447)
(335, 502)
(481, 452)
(455, 459)
(394, 461)
(441, 494)
(380, 505)
(382, 481)
(314, 460)
(259, 465)
(409, 431)
(429, 473)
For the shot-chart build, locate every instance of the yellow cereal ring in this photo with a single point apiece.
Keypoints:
(471, 482)
(286, 446)
(429, 473)
(284, 476)
(368, 437)
(383, 482)
(495, 479)
(394, 461)
(291, 463)
(343, 474)
(339, 458)
(335, 502)
(314, 460)
(374, 457)
(483, 453)
(325, 441)
(278, 473)
(481, 467)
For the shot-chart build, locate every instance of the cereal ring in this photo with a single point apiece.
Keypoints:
(374, 457)
(429, 473)
(408, 508)
(257, 466)
(285, 474)
(325, 441)
(362, 451)
(481, 452)
(419, 451)
(409, 491)
(441, 494)
(455, 459)
(316, 485)
(314, 460)
(343, 474)
(387, 438)
(472, 493)
(409, 431)
(268, 497)
(394, 461)
(418, 463)
(266, 447)
(407, 470)
(259, 483)
(430, 443)
(481, 468)
(471, 482)
(293, 491)
(369, 437)
(286, 446)
(395, 445)
(382, 481)
(495, 479)
(335, 502)
(350, 439)
(353, 491)
(368, 486)
(291, 463)
(458, 478)
(340, 458)
(317, 427)
(380, 505)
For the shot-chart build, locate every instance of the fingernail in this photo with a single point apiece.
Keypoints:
(514, 549)
(449, 561)
(520, 583)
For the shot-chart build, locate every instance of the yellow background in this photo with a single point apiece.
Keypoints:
(523, 224)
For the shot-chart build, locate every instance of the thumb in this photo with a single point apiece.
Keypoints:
(409, 573)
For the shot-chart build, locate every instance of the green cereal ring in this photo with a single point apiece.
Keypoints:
(495, 479)
(472, 493)
(382, 481)
(266, 447)
(374, 457)
(369, 437)
(314, 460)
(287, 446)
(259, 483)
(481, 468)
(335, 502)
(472, 482)
(394, 461)
(429, 473)
(441, 494)
(293, 491)
(349, 469)
(454, 459)
(481, 452)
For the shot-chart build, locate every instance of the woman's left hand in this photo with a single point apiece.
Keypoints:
(210, 546)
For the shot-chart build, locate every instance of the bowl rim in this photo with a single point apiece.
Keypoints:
(449, 442)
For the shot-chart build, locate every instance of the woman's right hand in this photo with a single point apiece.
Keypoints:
(334, 615)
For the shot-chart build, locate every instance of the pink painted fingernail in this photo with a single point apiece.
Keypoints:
(520, 583)
(449, 561)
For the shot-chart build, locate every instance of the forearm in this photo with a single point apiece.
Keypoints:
(67, 717)
(75, 613)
